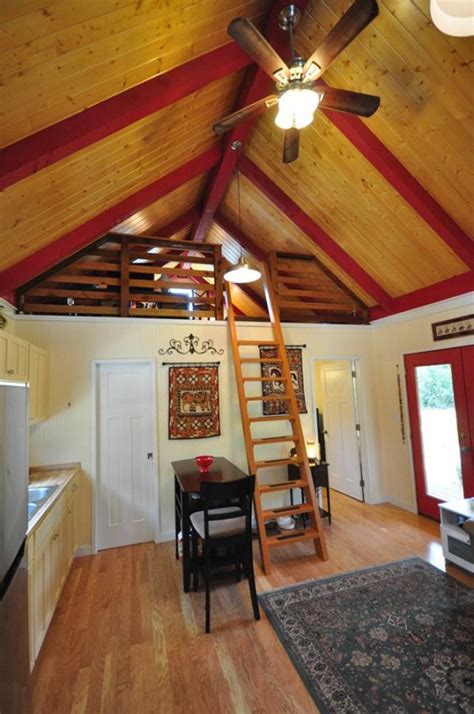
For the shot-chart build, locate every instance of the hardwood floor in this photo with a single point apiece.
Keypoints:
(126, 639)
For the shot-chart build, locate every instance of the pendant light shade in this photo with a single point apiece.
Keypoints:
(242, 273)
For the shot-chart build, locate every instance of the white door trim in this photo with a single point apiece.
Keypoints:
(94, 456)
(360, 380)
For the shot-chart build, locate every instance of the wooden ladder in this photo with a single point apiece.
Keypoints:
(314, 531)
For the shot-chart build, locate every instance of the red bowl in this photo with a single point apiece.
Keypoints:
(204, 463)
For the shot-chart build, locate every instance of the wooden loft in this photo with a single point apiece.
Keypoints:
(123, 275)
(118, 137)
(131, 276)
(307, 292)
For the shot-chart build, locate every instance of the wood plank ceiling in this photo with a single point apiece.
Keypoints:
(60, 58)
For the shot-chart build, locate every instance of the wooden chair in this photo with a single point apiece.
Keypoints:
(224, 524)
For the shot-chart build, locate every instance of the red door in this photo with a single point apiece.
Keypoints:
(440, 388)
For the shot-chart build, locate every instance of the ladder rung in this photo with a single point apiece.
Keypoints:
(276, 417)
(264, 343)
(270, 398)
(275, 462)
(265, 379)
(281, 486)
(298, 510)
(275, 439)
(260, 360)
(295, 536)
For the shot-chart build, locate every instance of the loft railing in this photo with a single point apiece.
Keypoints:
(131, 276)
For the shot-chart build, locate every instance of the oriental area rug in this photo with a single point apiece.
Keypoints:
(393, 638)
(194, 402)
(275, 388)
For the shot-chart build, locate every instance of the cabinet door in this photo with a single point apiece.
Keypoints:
(57, 562)
(33, 373)
(31, 612)
(17, 359)
(37, 376)
(3, 355)
(42, 601)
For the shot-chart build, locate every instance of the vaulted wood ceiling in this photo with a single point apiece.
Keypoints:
(106, 114)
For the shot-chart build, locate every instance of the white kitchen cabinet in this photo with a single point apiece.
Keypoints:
(38, 380)
(51, 549)
(13, 358)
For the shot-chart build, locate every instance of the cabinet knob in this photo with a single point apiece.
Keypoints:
(10, 371)
(55, 536)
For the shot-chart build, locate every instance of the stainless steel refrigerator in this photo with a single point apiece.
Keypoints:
(14, 650)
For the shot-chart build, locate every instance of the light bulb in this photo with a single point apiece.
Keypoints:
(284, 119)
(296, 107)
(303, 119)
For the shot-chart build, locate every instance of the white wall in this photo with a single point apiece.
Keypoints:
(392, 338)
(73, 344)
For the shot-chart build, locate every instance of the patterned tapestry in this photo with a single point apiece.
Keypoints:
(194, 402)
(295, 360)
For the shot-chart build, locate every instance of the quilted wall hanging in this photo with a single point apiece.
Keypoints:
(274, 388)
(194, 401)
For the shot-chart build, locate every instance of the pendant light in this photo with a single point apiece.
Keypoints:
(243, 272)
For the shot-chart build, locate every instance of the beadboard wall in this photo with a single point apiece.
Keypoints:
(74, 343)
(393, 338)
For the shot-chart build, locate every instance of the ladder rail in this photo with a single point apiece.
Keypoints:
(310, 491)
(311, 507)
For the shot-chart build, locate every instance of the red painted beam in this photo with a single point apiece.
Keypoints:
(259, 86)
(47, 257)
(314, 232)
(405, 183)
(452, 287)
(49, 145)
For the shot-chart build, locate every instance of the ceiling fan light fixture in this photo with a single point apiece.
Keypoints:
(296, 107)
(242, 273)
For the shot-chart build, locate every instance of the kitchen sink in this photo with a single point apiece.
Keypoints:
(37, 497)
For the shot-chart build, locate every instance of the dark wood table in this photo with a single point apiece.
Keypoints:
(187, 485)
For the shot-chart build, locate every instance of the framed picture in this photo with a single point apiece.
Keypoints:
(456, 327)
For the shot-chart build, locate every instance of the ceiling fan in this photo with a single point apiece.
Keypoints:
(298, 94)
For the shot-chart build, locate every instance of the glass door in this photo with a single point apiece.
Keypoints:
(441, 405)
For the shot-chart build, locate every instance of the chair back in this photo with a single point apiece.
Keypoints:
(228, 494)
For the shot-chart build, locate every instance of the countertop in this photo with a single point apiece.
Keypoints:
(57, 475)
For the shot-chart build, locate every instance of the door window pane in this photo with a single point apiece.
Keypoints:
(439, 432)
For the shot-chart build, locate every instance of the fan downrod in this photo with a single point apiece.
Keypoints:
(289, 17)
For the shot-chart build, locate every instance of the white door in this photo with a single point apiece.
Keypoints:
(341, 438)
(125, 503)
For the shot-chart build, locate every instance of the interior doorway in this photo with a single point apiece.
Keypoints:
(126, 501)
(440, 390)
(338, 423)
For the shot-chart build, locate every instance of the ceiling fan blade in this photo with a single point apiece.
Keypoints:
(244, 32)
(248, 112)
(359, 15)
(341, 100)
(291, 145)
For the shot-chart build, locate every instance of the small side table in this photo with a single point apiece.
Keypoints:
(320, 476)
(458, 546)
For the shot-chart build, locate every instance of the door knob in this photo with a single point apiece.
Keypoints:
(149, 455)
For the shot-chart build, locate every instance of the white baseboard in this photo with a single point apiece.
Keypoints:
(165, 537)
(83, 550)
(406, 505)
